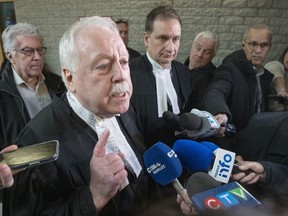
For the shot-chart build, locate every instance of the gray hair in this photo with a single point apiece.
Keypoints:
(11, 32)
(209, 36)
(68, 51)
(259, 26)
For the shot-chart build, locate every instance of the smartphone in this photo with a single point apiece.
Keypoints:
(31, 155)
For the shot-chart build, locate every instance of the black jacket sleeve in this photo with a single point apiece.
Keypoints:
(276, 177)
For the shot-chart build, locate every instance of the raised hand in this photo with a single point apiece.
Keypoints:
(107, 173)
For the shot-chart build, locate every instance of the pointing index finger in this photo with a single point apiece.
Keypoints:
(99, 149)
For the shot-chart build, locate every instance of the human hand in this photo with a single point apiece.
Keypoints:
(282, 92)
(6, 174)
(107, 173)
(185, 203)
(222, 120)
(257, 174)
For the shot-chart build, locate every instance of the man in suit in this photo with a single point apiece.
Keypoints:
(100, 168)
(159, 82)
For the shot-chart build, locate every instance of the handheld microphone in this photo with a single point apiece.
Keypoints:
(172, 121)
(214, 124)
(216, 149)
(199, 182)
(163, 165)
(195, 125)
(187, 125)
(193, 156)
(197, 157)
(215, 196)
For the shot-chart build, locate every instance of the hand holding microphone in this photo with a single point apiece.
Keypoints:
(206, 157)
(187, 125)
(249, 172)
(197, 124)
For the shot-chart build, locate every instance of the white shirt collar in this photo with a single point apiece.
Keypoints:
(18, 80)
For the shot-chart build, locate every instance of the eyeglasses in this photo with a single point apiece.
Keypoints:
(28, 51)
(263, 46)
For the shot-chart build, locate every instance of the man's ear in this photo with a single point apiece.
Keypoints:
(68, 76)
(10, 57)
(146, 38)
(243, 44)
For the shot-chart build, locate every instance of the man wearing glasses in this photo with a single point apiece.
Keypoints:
(241, 85)
(25, 86)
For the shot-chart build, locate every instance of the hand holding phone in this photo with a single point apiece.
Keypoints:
(31, 155)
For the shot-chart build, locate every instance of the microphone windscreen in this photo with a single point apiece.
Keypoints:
(172, 120)
(190, 121)
(199, 182)
(211, 146)
(193, 155)
(169, 116)
(162, 164)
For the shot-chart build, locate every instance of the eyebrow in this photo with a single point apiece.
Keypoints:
(201, 46)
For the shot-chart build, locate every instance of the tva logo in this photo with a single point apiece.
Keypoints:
(225, 199)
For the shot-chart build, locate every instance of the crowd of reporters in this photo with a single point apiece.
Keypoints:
(86, 179)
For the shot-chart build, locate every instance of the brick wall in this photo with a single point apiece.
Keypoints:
(228, 18)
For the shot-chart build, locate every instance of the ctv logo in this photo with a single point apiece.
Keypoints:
(225, 199)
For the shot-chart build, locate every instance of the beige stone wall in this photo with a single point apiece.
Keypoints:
(228, 18)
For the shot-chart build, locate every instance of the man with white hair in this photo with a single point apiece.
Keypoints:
(25, 86)
(203, 50)
(100, 169)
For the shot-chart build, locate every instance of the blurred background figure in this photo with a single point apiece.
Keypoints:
(241, 84)
(25, 86)
(203, 50)
(123, 27)
(280, 82)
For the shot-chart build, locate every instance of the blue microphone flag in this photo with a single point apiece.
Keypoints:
(193, 155)
(162, 163)
(210, 145)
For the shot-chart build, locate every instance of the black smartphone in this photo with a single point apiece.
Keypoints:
(31, 155)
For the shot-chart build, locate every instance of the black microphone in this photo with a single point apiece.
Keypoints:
(199, 182)
(187, 125)
(194, 124)
(190, 121)
(172, 121)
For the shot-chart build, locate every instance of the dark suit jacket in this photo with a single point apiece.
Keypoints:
(13, 112)
(233, 91)
(145, 99)
(62, 187)
(132, 53)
